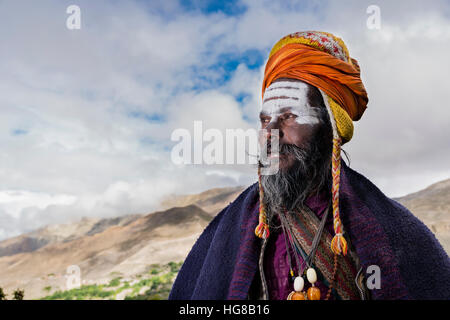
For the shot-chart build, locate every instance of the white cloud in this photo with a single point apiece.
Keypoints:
(70, 94)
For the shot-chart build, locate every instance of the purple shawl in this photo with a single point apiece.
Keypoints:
(224, 259)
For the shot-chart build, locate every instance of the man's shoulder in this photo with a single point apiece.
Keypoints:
(246, 197)
(394, 216)
(373, 196)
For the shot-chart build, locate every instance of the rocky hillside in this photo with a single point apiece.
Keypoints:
(106, 248)
(212, 201)
(124, 249)
(34, 240)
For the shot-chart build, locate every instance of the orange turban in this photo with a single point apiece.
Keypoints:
(313, 58)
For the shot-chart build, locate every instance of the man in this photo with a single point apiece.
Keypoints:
(316, 229)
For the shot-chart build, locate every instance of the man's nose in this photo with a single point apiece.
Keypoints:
(272, 128)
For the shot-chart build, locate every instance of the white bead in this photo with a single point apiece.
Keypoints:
(311, 275)
(299, 283)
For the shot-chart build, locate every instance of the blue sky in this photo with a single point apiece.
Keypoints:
(87, 114)
(231, 8)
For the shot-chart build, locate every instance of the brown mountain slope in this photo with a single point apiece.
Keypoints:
(212, 201)
(112, 250)
(55, 233)
(34, 240)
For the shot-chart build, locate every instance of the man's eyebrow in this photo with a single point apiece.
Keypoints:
(263, 113)
(279, 97)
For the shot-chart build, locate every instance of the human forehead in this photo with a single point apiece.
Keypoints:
(282, 95)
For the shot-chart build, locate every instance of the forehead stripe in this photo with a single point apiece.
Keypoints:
(287, 87)
(280, 97)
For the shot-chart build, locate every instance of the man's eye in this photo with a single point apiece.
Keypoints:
(290, 116)
(265, 120)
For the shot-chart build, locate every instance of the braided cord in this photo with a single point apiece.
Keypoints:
(338, 244)
(262, 230)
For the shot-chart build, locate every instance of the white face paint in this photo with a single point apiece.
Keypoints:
(290, 96)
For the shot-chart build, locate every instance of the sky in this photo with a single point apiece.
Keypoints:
(87, 114)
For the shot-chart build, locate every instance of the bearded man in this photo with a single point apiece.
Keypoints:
(316, 229)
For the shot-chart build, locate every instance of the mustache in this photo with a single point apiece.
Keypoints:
(298, 153)
(301, 155)
(289, 149)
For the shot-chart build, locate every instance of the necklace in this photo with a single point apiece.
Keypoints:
(313, 293)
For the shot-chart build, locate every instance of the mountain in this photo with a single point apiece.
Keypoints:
(124, 245)
(126, 249)
(34, 240)
(212, 200)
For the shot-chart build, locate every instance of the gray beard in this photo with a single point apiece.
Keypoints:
(288, 189)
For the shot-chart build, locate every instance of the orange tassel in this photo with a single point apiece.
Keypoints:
(339, 244)
(262, 230)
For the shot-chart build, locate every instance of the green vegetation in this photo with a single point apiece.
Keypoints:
(115, 274)
(175, 267)
(82, 293)
(158, 286)
(114, 282)
(155, 284)
(155, 268)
